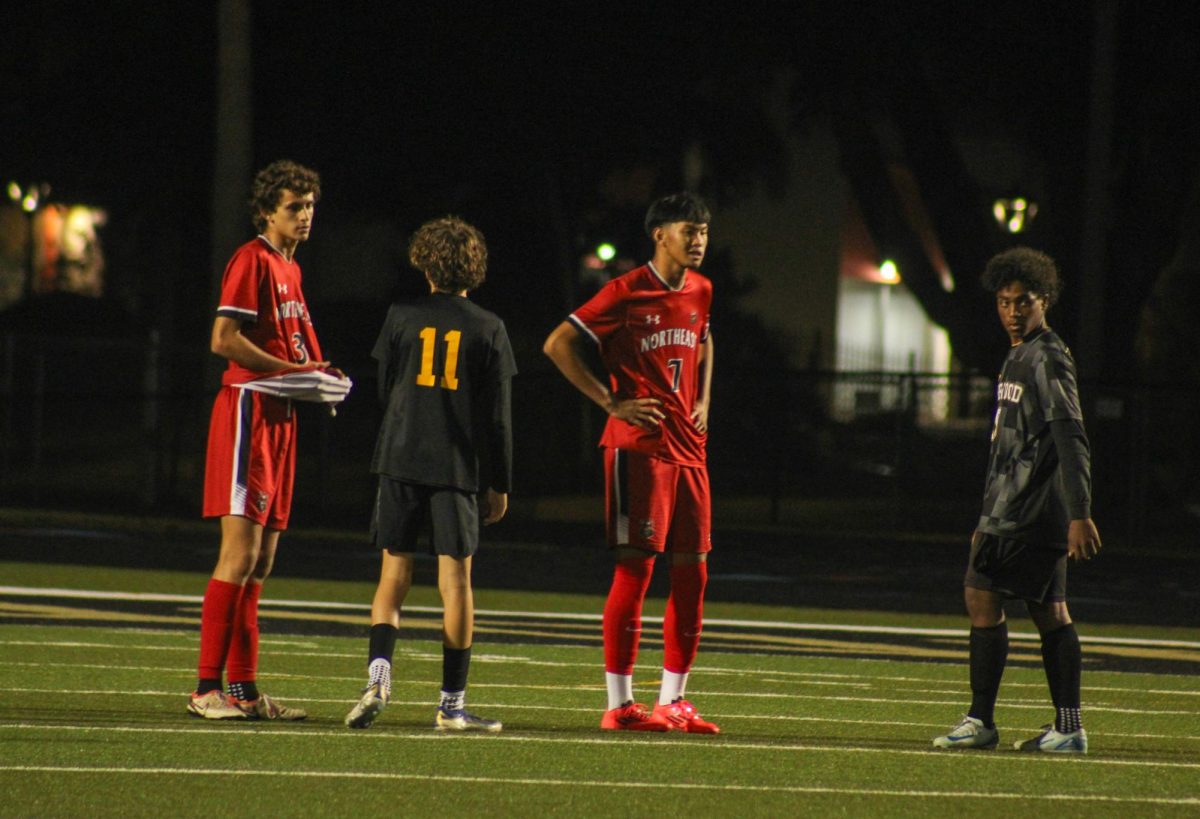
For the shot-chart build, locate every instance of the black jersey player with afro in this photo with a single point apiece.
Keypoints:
(1036, 509)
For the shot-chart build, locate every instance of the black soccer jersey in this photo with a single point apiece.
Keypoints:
(445, 370)
(1024, 494)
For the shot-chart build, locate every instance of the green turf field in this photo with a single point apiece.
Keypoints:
(823, 713)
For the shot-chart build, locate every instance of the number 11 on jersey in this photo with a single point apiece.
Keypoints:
(426, 378)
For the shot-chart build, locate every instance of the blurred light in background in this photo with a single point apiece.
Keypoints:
(48, 247)
(1014, 214)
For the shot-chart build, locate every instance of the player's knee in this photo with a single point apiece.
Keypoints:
(236, 565)
(454, 578)
(1049, 616)
(984, 608)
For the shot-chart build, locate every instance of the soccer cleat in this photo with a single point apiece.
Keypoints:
(682, 716)
(266, 708)
(374, 700)
(970, 733)
(463, 720)
(633, 716)
(216, 704)
(1050, 741)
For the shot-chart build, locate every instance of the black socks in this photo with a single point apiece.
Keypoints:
(989, 653)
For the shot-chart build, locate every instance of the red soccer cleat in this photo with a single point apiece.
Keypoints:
(681, 715)
(633, 716)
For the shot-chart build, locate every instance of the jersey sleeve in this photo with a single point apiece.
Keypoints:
(503, 363)
(1057, 388)
(603, 314)
(240, 287)
(1075, 466)
(499, 456)
(382, 353)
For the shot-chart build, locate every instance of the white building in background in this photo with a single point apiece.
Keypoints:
(821, 287)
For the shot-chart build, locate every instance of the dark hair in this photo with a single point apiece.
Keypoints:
(452, 253)
(272, 181)
(678, 207)
(1030, 267)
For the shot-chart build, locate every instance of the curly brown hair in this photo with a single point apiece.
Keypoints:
(272, 181)
(451, 253)
(1030, 267)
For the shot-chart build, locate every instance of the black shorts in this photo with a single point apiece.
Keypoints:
(1017, 569)
(404, 510)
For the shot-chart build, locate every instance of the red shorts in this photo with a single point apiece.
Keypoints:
(251, 461)
(656, 505)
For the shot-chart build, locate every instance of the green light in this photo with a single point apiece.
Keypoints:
(606, 252)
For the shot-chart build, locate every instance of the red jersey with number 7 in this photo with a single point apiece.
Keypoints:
(649, 337)
(261, 289)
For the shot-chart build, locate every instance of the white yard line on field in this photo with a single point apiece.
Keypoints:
(461, 780)
(622, 741)
(152, 597)
(1032, 705)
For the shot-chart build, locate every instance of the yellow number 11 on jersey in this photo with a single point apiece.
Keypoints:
(426, 378)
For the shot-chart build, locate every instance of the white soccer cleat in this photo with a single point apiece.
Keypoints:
(1050, 741)
(970, 733)
(266, 708)
(216, 704)
(463, 720)
(374, 700)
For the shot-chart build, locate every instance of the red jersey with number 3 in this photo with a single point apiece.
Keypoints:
(261, 289)
(649, 337)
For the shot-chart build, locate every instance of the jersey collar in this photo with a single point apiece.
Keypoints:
(657, 275)
(267, 242)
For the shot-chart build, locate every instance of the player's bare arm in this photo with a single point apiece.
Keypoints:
(700, 410)
(229, 343)
(563, 348)
(1083, 539)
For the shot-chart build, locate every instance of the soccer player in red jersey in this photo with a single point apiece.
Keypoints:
(264, 330)
(652, 329)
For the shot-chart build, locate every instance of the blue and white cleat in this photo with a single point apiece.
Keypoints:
(970, 733)
(1052, 742)
(462, 720)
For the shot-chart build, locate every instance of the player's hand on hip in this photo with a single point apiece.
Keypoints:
(641, 412)
(495, 505)
(1083, 539)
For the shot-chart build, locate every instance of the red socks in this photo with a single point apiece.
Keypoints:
(242, 662)
(216, 626)
(685, 612)
(623, 613)
(681, 626)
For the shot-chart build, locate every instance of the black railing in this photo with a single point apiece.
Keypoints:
(120, 425)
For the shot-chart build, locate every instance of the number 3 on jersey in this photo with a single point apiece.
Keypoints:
(300, 348)
(426, 378)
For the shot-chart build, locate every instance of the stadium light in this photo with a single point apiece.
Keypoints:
(1014, 214)
(888, 272)
(606, 251)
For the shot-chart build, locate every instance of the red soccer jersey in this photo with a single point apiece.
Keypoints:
(262, 290)
(649, 337)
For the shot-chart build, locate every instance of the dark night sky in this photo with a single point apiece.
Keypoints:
(513, 115)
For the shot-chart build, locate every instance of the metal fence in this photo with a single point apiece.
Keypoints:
(120, 425)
